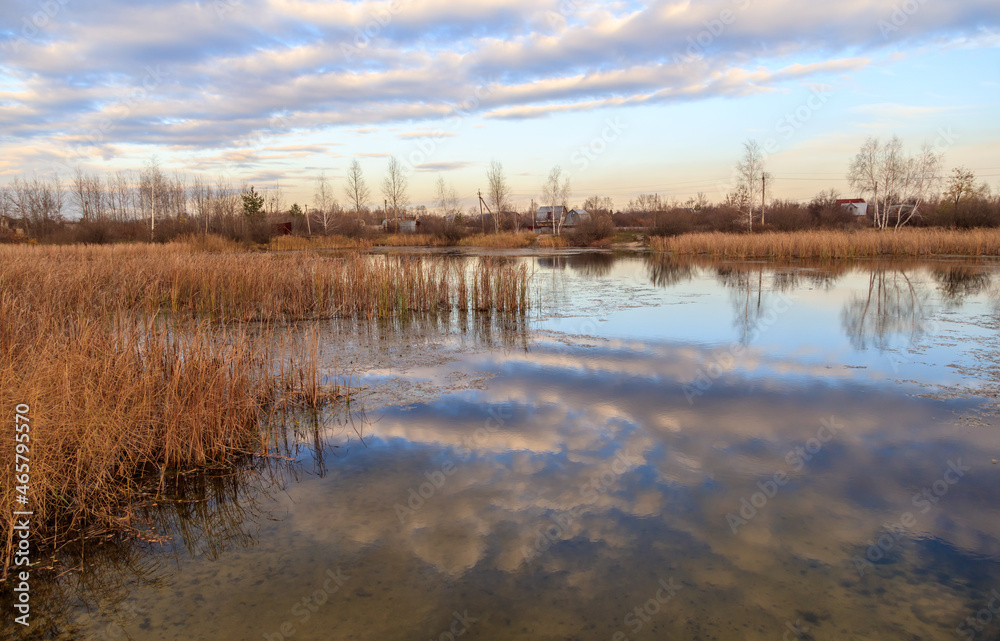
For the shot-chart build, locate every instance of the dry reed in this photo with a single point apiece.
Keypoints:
(504, 240)
(835, 244)
(139, 358)
(552, 242)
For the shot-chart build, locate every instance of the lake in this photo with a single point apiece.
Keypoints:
(662, 448)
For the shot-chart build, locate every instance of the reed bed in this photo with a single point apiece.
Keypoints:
(835, 244)
(552, 242)
(245, 287)
(298, 243)
(503, 240)
(409, 240)
(145, 358)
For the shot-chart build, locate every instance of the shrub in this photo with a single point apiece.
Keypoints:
(598, 227)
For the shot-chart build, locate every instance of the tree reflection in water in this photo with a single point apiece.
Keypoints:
(895, 305)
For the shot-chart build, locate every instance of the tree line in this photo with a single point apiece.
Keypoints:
(901, 189)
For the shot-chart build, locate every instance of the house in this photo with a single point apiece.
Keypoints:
(575, 217)
(10, 225)
(548, 217)
(856, 206)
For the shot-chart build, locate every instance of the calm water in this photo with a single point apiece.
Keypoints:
(662, 450)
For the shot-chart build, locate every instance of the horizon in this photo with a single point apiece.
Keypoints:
(627, 97)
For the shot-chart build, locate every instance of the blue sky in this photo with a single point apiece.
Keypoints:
(627, 97)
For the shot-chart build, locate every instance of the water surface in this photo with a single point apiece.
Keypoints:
(662, 449)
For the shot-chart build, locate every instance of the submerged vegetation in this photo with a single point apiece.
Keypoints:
(139, 359)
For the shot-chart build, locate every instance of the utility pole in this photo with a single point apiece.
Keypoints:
(481, 219)
(308, 225)
(763, 187)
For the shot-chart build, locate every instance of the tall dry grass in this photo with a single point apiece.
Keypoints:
(835, 244)
(503, 240)
(140, 358)
(298, 243)
(549, 241)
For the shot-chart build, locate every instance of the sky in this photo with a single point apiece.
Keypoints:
(626, 97)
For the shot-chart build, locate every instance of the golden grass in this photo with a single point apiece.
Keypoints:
(552, 242)
(506, 239)
(835, 244)
(140, 358)
(408, 240)
(298, 243)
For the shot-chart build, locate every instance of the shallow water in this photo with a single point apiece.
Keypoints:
(663, 449)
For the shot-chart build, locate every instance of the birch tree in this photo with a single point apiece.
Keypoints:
(324, 201)
(498, 192)
(394, 187)
(556, 191)
(447, 199)
(893, 179)
(751, 175)
(356, 189)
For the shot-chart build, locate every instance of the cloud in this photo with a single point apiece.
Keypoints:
(446, 166)
(206, 78)
(426, 134)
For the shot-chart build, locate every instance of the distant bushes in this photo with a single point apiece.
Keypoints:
(591, 230)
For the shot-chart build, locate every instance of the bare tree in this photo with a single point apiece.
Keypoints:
(962, 185)
(88, 194)
(324, 202)
(447, 198)
(275, 200)
(151, 192)
(498, 192)
(894, 180)
(356, 189)
(599, 204)
(121, 196)
(394, 187)
(751, 176)
(6, 202)
(555, 192)
(201, 199)
(38, 203)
